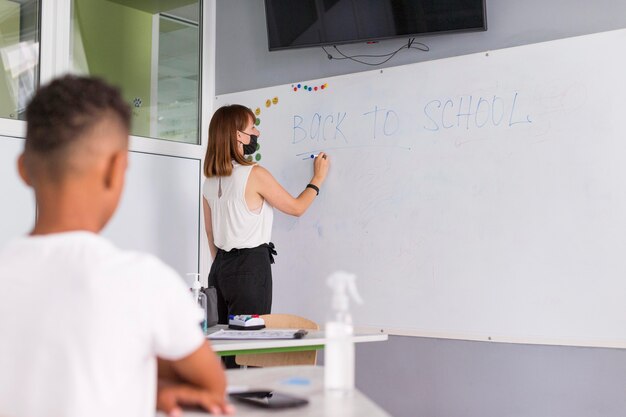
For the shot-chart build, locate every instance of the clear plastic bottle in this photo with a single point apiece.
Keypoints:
(339, 350)
(201, 299)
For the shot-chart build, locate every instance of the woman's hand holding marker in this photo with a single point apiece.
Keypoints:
(320, 168)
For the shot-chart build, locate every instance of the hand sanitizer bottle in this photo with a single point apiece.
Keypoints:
(201, 299)
(339, 350)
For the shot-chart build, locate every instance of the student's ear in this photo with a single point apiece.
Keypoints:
(116, 170)
(21, 169)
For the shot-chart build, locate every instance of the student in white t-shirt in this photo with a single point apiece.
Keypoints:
(82, 322)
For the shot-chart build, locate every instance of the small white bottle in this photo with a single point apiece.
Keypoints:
(339, 350)
(201, 299)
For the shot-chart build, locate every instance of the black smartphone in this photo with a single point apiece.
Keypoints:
(269, 399)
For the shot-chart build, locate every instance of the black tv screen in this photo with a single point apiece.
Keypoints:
(302, 23)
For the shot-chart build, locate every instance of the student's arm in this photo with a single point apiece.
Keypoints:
(171, 397)
(184, 356)
(197, 379)
(267, 187)
(208, 227)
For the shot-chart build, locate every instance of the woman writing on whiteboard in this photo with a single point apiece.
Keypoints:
(238, 199)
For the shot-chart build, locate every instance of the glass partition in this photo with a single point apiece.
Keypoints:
(151, 50)
(19, 56)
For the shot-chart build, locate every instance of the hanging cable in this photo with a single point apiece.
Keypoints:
(411, 44)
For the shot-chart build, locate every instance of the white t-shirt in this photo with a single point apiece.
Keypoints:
(81, 324)
(234, 225)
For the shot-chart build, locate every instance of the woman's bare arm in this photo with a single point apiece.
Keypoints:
(264, 184)
(208, 227)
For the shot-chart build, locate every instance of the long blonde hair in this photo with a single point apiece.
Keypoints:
(222, 150)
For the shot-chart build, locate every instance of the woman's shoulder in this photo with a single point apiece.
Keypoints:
(261, 175)
(245, 169)
(257, 169)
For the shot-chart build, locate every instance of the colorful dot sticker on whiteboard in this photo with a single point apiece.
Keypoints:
(256, 156)
(305, 87)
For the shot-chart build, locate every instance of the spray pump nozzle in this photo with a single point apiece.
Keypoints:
(196, 282)
(342, 284)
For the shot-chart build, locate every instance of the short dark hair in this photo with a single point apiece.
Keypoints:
(63, 110)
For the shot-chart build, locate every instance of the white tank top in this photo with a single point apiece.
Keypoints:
(234, 225)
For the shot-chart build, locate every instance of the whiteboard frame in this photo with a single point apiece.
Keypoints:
(395, 331)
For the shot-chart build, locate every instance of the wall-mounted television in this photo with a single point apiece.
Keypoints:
(303, 23)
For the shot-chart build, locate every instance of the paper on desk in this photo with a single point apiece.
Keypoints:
(253, 334)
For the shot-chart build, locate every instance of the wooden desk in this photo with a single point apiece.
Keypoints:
(314, 340)
(303, 381)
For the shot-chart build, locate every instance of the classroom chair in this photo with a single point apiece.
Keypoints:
(284, 321)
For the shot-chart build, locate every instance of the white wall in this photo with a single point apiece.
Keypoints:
(244, 63)
(159, 211)
(17, 209)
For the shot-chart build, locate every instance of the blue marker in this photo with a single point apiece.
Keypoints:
(313, 156)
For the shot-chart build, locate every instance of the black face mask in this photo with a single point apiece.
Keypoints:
(250, 148)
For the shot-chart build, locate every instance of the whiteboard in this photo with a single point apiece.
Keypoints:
(479, 197)
(159, 212)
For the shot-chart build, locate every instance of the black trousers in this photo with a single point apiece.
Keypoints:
(243, 281)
